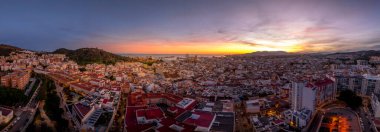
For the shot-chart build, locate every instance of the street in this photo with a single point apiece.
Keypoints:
(367, 125)
(19, 123)
(316, 122)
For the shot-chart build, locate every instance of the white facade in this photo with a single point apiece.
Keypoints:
(375, 103)
(311, 94)
(298, 118)
(302, 97)
(370, 85)
(252, 106)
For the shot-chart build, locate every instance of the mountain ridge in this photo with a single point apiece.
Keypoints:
(95, 55)
(268, 53)
(6, 49)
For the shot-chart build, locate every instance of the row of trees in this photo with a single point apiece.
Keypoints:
(52, 101)
(12, 96)
(351, 99)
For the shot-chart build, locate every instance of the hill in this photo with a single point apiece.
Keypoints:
(5, 50)
(85, 56)
(357, 55)
(267, 53)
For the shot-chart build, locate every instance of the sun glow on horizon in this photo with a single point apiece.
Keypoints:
(209, 47)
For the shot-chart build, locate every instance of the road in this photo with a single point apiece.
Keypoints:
(367, 124)
(24, 118)
(74, 124)
(316, 122)
(27, 113)
(30, 86)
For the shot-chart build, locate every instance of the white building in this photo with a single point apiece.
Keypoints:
(305, 97)
(5, 115)
(375, 104)
(252, 106)
(370, 84)
(310, 94)
(185, 103)
(298, 118)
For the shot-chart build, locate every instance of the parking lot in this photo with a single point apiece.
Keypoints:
(341, 119)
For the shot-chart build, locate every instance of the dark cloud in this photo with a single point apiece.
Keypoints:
(221, 31)
(249, 43)
(370, 41)
(377, 47)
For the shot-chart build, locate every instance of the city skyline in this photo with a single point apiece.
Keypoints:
(192, 27)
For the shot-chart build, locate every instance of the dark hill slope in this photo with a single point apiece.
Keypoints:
(5, 50)
(85, 56)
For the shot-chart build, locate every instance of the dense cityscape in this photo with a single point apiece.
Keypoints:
(252, 92)
(190, 66)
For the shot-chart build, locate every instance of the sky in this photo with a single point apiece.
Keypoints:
(192, 26)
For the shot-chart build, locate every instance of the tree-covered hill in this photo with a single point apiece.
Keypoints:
(5, 49)
(85, 56)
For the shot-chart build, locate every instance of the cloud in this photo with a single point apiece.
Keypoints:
(371, 41)
(321, 25)
(324, 41)
(260, 25)
(375, 47)
(221, 31)
(249, 43)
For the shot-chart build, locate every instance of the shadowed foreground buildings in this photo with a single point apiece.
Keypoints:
(17, 79)
(231, 93)
(5, 115)
(306, 96)
(143, 114)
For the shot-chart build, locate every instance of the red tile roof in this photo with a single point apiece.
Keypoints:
(319, 83)
(167, 122)
(84, 86)
(131, 121)
(82, 109)
(377, 121)
(205, 119)
(171, 97)
(323, 82)
(105, 101)
(154, 113)
(278, 121)
(173, 109)
(140, 113)
(180, 111)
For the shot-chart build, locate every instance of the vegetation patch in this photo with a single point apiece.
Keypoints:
(351, 99)
(12, 96)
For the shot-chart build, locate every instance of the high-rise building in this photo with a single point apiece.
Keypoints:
(310, 94)
(306, 96)
(349, 82)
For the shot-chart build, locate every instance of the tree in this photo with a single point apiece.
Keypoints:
(12, 96)
(82, 69)
(9, 61)
(112, 78)
(351, 99)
